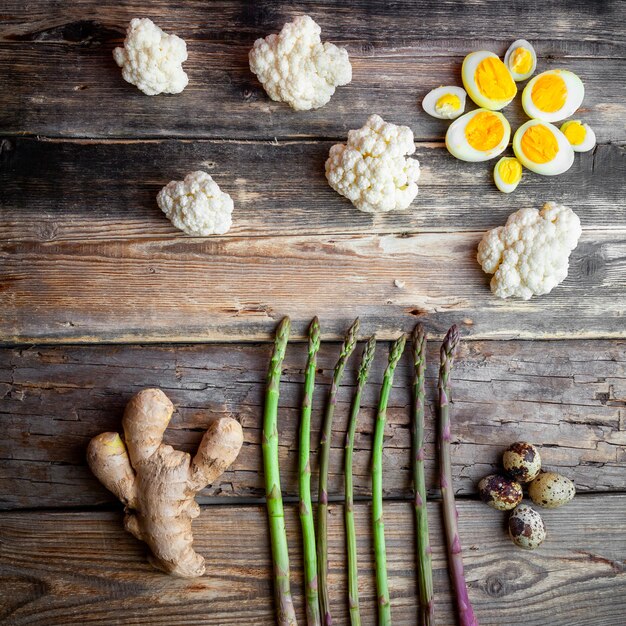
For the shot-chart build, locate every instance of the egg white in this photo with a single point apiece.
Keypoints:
(458, 146)
(431, 98)
(468, 69)
(575, 95)
(521, 43)
(562, 161)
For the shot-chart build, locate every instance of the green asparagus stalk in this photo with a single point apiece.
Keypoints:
(424, 558)
(450, 515)
(306, 508)
(382, 588)
(285, 613)
(324, 451)
(353, 578)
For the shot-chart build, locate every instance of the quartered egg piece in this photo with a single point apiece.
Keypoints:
(445, 103)
(543, 148)
(487, 80)
(521, 60)
(507, 174)
(553, 95)
(479, 135)
(580, 135)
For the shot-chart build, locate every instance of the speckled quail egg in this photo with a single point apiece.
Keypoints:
(507, 174)
(521, 60)
(479, 135)
(521, 461)
(542, 148)
(526, 528)
(487, 80)
(553, 95)
(551, 490)
(500, 492)
(445, 103)
(580, 135)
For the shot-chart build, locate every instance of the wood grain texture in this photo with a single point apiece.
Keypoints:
(238, 288)
(568, 397)
(90, 190)
(101, 576)
(61, 79)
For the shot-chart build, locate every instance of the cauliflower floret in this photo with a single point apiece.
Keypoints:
(197, 205)
(295, 67)
(151, 59)
(372, 171)
(530, 254)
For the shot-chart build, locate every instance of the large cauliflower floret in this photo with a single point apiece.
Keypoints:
(295, 67)
(151, 59)
(530, 254)
(372, 170)
(197, 205)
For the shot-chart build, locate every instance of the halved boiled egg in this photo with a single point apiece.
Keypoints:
(521, 60)
(507, 174)
(445, 103)
(553, 95)
(542, 148)
(487, 80)
(478, 135)
(580, 135)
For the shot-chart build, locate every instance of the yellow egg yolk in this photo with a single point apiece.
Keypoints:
(510, 171)
(539, 144)
(493, 79)
(521, 61)
(484, 131)
(575, 132)
(448, 102)
(549, 93)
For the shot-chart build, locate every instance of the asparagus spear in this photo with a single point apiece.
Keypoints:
(455, 559)
(353, 579)
(424, 559)
(285, 613)
(306, 508)
(324, 452)
(384, 605)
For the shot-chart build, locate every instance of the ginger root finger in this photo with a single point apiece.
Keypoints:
(160, 498)
(108, 459)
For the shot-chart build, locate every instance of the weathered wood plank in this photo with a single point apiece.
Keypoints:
(237, 288)
(101, 576)
(61, 79)
(569, 397)
(64, 190)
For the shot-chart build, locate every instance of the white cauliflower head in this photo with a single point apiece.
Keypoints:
(295, 67)
(197, 205)
(530, 254)
(372, 170)
(151, 59)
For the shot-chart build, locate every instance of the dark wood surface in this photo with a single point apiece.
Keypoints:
(87, 257)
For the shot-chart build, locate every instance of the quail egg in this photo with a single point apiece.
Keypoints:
(500, 492)
(542, 148)
(580, 135)
(526, 528)
(445, 103)
(521, 461)
(507, 174)
(488, 80)
(521, 60)
(551, 490)
(553, 95)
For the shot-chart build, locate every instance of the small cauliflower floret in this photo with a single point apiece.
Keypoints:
(295, 67)
(530, 254)
(151, 59)
(372, 170)
(197, 205)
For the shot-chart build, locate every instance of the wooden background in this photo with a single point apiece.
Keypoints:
(101, 296)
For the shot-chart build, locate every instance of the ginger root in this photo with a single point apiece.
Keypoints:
(156, 483)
